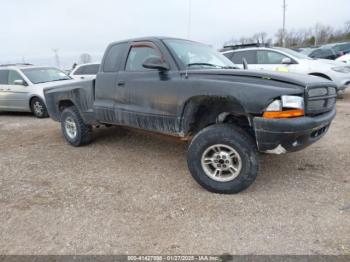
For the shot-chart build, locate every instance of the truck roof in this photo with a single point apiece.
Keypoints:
(148, 38)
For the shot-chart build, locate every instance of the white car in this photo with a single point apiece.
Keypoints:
(344, 59)
(287, 60)
(22, 86)
(85, 71)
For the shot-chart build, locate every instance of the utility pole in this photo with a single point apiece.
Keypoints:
(189, 18)
(57, 58)
(284, 24)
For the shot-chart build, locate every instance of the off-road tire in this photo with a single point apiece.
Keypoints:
(83, 131)
(234, 137)
(38, 108)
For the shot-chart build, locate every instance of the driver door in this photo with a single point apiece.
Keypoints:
(146, 98)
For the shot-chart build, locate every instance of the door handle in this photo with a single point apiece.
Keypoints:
(121, 83)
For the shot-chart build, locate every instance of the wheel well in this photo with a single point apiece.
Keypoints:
(320, 75)
(201, 112)
(64, 104)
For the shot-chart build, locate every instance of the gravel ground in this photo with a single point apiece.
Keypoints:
(131, 193)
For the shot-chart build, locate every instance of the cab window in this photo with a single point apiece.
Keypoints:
(137, 56)
(113, 57)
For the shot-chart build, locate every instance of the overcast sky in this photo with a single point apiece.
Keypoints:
(30, 29)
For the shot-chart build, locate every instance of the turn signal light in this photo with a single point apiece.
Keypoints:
(284, 114)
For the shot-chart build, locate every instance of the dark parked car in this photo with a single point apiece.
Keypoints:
(189, 90)
(339, 48)
(320, 53)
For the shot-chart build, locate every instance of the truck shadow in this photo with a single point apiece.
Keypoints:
(151, 147)
(24, 114)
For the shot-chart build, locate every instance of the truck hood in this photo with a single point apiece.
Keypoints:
(290, 78)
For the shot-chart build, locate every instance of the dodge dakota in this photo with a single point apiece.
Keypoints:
(189, 90)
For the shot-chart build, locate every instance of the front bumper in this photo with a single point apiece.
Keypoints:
(288, 135)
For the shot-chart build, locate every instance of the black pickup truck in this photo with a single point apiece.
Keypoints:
(189, 90)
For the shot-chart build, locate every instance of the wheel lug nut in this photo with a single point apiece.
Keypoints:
(224, 166)
(219, 165)
(223, 157)
(227, 161)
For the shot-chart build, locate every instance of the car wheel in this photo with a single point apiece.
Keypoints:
(340, 94)
(76, 132)
(223, 159)
(38, 108)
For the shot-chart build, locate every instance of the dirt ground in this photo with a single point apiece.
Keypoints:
(131, 193)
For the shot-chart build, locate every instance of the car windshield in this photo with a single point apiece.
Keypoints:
(306, 51)
(197, 55)
(44, 75)
(293, 53)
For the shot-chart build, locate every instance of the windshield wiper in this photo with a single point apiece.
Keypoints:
(230, 67)
(60, 79)
(42, 82)
(204, 64)
(212, 65)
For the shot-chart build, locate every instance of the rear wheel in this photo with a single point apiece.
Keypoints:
(223, 159)
(38, 108)
(76, 132)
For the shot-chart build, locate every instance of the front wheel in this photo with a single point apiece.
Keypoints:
(38, 108)
(223, 159)
(76, 132)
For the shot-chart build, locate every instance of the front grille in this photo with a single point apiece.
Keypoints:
(320, 99)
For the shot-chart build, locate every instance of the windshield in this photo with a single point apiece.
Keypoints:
(196, 55)
(293, 53)
(306, 51)
(43, 75)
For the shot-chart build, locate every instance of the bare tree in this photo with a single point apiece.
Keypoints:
(85, 58)
(316, 35)
(279, 37)
(347, 27)
(322, 34)
(260, 37)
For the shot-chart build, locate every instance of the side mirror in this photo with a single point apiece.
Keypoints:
(287, 61)
(19, 82)
(155, 62)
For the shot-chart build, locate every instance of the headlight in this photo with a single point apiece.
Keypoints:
(286, 107)
(341, 69)
(295, 102)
